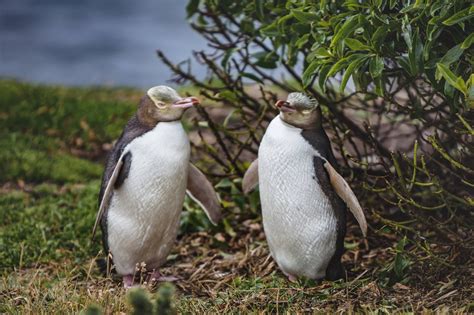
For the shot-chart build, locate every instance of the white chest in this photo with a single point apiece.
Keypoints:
(298, 219)
(144, 212)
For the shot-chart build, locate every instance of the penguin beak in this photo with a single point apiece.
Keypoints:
(284, 106)
(186, 102)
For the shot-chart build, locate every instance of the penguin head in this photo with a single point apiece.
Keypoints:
(299, 110)
(163, 103)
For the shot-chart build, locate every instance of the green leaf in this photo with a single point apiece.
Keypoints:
(259, 54)
(300, 28)
(337, 67)
(228, 95)
(224, 183)
(302, 41)
(228, 228)
(226, 57)
(270, 30)
(418, 3)
(401, 261)
(461, 86)
(458, 17)
(192, 7)
(376, 66)
(306, 17)
(246, 26)
(415, 55)
(282, 21)
(309, 72)
(406, 32)
(379, 86)
(267, 60)
(435, 7)
(259, 9)
(228, 118)
(379, 35)
(470, 96)
(468, 41)
(320, 53)
(356, 44)
(403, 61)
(353, 66)
(347, 28)
(451, 78)
(407, 9)
(452, 55)
(323, 74)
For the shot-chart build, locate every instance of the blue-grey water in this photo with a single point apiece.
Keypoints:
(89, 42)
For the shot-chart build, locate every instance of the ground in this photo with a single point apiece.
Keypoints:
(52, 147)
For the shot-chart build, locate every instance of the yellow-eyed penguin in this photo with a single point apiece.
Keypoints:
(145, 180)
(303, 198)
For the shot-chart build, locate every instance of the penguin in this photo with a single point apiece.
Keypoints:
(303, 198)
(146, 177)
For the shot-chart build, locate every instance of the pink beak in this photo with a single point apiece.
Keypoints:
(284, 106)
(186, 102)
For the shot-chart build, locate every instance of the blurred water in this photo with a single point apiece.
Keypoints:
(84, 42)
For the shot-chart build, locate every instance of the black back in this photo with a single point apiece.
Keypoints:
(320, 142)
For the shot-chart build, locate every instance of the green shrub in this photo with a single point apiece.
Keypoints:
(402, 130)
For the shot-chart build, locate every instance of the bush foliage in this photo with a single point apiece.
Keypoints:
(402, 130)
(374, 42)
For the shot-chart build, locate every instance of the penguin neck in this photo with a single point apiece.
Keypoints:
(315, 126)
(171, 122)
(287, 125)
(169, 126)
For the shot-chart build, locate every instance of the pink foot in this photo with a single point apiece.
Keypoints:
(127, 281)
(291, 277)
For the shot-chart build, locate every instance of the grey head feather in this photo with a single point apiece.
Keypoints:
(302, 100)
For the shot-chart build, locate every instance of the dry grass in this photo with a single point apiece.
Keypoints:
(219, 273)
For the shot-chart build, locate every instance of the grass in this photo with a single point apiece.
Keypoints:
(52, 146)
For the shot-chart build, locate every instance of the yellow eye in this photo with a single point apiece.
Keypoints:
(160, 105)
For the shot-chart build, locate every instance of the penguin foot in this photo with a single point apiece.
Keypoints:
(291, 277)
(127, 281)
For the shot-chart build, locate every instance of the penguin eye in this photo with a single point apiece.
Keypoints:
(160, 105)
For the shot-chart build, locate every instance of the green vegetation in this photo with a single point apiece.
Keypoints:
(403, 138)
(48, 201)
(374, 42)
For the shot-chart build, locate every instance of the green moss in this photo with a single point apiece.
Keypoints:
(49, 223)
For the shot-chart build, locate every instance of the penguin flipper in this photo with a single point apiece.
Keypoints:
(347, 195)
(202, 192)
(108, 191)
(250, 180)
